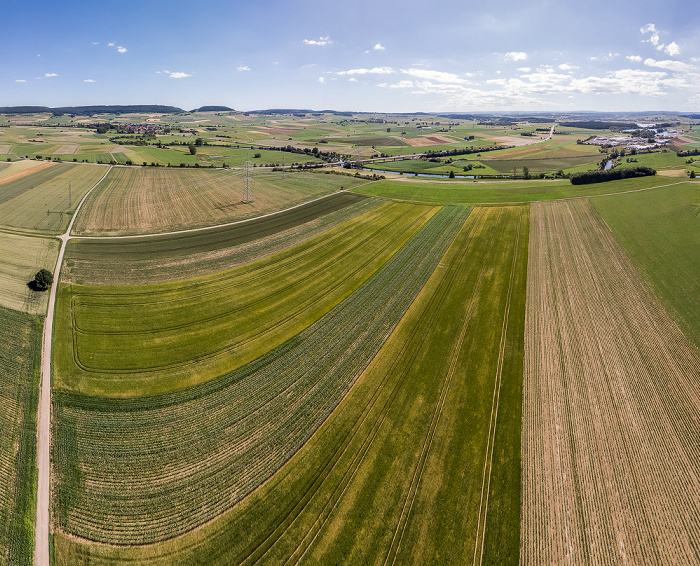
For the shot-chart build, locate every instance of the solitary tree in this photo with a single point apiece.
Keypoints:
(43, 280)
(526, 172)
(193, 149)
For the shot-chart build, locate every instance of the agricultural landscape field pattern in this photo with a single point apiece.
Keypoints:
(347, 369)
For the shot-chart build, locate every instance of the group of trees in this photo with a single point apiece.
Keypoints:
(586, 177)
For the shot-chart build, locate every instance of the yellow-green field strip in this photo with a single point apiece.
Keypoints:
(119, 462)
(125, 341)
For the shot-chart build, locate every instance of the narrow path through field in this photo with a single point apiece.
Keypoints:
(43, 456)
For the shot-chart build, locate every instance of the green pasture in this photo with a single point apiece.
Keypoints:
(660, 231)
(451, 191)
(285, 396)
(127, 341)
(20, 367)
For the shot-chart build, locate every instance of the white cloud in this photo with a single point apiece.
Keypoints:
(20, 81)
(438, 76)
(95, 42)
(322, 79)
(627, 81)
(121, 49)
(320, 41)
(372, 71)
(379, 47)
(403, 84)
(655, 39)
(88, 81)
(515, 56)
(676, 66)
(49, 75)
(566, 67)
(111, 44)
(501, 82)
(243, 68)
(352, 80)
(178, 75)
(635, 58)
(524, 69)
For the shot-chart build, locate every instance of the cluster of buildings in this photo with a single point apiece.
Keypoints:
(661, 139)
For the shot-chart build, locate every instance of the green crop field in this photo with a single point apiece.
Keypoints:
(138, 261)
(443, 394)
(660, 230)
(450, 191)
(20, 360)
(125, 341)
(20, 258)
(39, 201)
(138, 200)
(284, 397)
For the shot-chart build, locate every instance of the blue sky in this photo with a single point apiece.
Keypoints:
(383, 56)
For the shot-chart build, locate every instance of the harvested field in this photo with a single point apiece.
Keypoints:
(39, 201)
(611, 409)
(139, 261)
(20, 359)
(109, 486)
(426, 140)
(660, 231)
(18, 169)
(20, 258)
(126, 341)
(137, 201)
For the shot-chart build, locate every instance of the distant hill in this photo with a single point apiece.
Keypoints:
(213, 109)
(90, 110)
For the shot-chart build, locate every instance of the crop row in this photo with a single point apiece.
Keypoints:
(20, 357)
(611, 410)
(149, 469)
(140, 200)
(135, 340)
(139, 261)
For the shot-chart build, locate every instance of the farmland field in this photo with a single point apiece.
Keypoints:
(26, 200)
(428, 404)
(138, 261)
(283, 397)
(451, 191)
(136, 200)
(124, 341)
(611, 463)
(20, 258)
(659, 230)
(20, 359)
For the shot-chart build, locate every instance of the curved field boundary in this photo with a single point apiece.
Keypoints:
(118, 463)
(20, 362)
(90, 269)
(611, 409)
(143, 340)
(18, 169)
(158, 258)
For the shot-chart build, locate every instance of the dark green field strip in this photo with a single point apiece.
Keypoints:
(20, 360)
(124, 341)
(179, 246)
(148, 469)
(15, 188)
(660, 231)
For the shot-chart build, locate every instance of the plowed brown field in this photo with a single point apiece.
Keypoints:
(611, 406)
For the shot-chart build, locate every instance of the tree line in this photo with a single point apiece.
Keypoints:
(587, 177)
